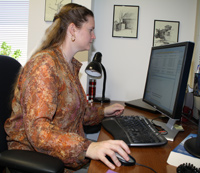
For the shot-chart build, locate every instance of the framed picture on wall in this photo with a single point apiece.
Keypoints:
(125, 21)
(165, 32)
(52, 7)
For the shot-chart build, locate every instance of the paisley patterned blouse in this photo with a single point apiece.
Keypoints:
(50, 109)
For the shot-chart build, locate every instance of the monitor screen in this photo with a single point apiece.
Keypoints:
(167, 78)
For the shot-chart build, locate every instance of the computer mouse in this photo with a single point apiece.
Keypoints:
(131, 161)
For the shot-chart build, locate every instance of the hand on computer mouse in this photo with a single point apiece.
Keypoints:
(99, 150)
(123, 162)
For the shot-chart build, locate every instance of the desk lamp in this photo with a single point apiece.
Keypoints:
(94, 69)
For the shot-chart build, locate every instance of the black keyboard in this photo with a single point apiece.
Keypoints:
(134, 130)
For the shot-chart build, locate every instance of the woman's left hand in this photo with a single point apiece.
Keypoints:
(113, 110)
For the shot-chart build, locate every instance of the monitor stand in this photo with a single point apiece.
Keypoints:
(169, 127)
(140, 104)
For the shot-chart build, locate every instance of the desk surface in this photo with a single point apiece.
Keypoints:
(154, 157)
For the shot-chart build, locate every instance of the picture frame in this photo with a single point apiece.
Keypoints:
(125, 21)
(52, 7)
(165, 32)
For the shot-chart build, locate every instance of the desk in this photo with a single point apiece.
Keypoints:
(154, 157)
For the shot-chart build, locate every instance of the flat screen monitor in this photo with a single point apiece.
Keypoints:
(166, 81)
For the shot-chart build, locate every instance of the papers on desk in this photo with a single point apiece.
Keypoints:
(179, 155)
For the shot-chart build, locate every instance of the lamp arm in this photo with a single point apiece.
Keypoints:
(104, 83)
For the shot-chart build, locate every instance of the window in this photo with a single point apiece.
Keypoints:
(14, 25)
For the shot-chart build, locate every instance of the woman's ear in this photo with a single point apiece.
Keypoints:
(72, 29)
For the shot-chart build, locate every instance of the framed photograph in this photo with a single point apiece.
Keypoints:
(52, 7)
(125, 21)
(165, 32)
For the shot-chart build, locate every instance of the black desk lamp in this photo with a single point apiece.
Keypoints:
(94, 69)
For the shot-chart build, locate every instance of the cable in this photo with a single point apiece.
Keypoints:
(189, 119)
(161, 130)
(146, 167)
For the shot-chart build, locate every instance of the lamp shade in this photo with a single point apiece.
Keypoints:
(94, 68)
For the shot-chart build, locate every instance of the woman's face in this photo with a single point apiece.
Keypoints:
(85, 35)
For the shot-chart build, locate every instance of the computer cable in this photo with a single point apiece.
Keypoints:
(129, 163)
(146, 167)
(189, 119)
(161, 130)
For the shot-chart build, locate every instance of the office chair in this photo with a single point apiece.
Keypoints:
(19, 161)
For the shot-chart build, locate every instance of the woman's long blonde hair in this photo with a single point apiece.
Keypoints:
(69, 13)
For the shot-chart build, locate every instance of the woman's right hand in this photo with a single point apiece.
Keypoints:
(99, 150)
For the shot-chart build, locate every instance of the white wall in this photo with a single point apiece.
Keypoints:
(126, 59)
(197, 38)
(37, 27)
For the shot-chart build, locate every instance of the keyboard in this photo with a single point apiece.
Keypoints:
(134, 131)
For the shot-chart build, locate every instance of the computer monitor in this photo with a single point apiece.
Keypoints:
(166, 81)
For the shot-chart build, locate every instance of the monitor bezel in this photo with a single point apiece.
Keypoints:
(179, 100)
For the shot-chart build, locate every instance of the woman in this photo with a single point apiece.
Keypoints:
(49, 107)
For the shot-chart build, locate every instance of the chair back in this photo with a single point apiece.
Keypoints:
(9, 69)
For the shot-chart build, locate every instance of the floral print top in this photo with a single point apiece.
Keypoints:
(49, 109)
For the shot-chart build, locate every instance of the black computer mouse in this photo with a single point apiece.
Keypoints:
(131, 161)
